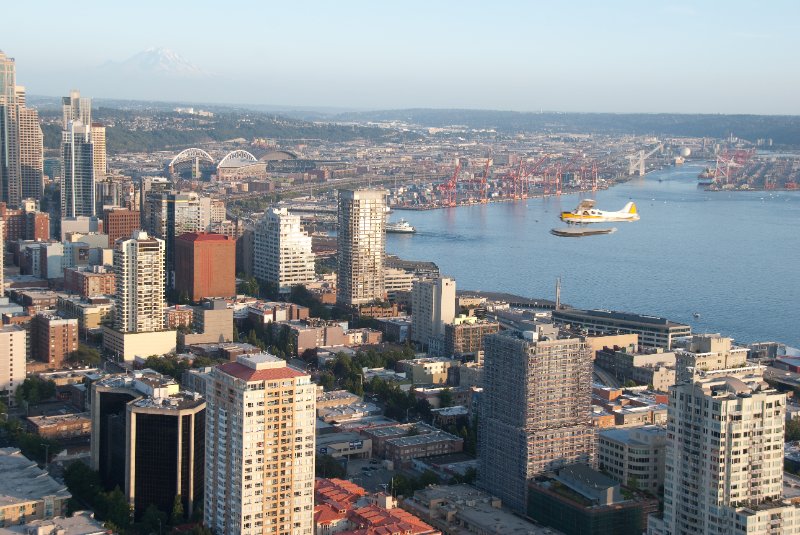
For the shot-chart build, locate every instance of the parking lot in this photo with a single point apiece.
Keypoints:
(369, 475)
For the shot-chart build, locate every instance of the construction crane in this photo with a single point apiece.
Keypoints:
(449, 187)
(529, 171)
(728, 163)
(636, 161)
(485, 182)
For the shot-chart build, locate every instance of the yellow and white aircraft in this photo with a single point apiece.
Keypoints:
(587, 213)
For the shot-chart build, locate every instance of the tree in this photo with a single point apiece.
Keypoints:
(153, 519)
(630, 383)
(34, 389)
(117, 508)
(86, 355)
(327, 466)
(445, 398)
(792, 430)
(177, 511)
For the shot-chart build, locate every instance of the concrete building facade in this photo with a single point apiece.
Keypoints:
(433, 305)
(282, 251)
(652, 331)
(205, 265)
(362, 245)
(634, 456)
(13, 346)
(259, 448)
(724, 451)
(535, 410)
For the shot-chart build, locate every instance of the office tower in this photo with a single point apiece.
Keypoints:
(53, 339)
(139, 268)
(120, 223)
(77, 171)
(433, 305)
(13, 345)
(2, 257)
(76, 108)
(724, 457)
(707, 352)
(31, 154)
(205, 265)
(362, 244)
(172, 213)
(9, 133)
(99, 159)
(259, 448)
(535, 412)
(148, 438)
(21, 141)
(282, 254)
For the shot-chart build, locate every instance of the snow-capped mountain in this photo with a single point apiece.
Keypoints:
(156, 61)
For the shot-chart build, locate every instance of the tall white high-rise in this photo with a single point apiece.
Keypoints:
(433, 304)
(259, 448)
(139, 270)
(724, 457)
(282, 251)
(77, 171)
(362, 245)
(76, 108)
(21, 140)
(13, 348)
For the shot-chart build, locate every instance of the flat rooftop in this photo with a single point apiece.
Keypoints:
(24, 482)
(623, 317)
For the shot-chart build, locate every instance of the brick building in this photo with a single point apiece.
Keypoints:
(53, 339)
(205, 265)
(90, 281)
(120, 223)
(25, 223)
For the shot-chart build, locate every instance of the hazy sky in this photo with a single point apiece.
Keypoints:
(619, 56)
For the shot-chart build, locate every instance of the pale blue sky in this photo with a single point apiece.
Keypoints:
(624, 56)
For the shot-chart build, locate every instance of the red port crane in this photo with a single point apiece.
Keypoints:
(449, 187)
(484, 181)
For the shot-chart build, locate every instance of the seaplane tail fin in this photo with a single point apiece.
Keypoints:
(630, 208)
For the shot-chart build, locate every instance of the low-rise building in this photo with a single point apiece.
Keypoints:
(347, 445)
(464, 510)
(88, 281)
(404, 449)
(213, 323)
(464, 337)
(654, 367)
(634, 456)
(262, 313)
(178, 316)
(652, 331)
(578, 500)
(27, 492)
(427, 370)
(60, 426)
(396, 329)
(80, 523)
(91, 313)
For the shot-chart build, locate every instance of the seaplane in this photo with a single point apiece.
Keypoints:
(587, 213)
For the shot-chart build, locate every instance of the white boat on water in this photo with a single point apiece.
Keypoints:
(400, 227)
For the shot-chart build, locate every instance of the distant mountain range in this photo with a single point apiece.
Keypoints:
(156, 61)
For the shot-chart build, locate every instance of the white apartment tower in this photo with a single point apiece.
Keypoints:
(433, 305)
(362, 244)
(282, 251)
(724, 457)
(13, 348)
(139, 270)
(259, 448)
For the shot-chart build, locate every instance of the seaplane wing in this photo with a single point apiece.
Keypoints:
(587, 213)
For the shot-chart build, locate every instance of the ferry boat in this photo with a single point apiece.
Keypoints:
(706, 178)
(400, 227)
